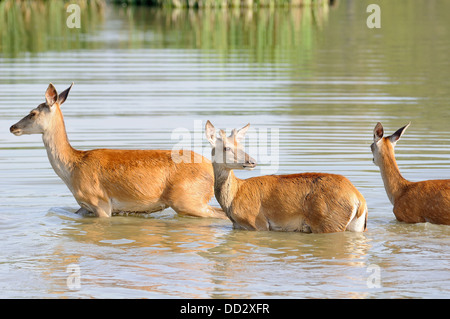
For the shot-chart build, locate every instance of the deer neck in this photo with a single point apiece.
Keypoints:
(225, 186)
(61, 154)
(394, 183)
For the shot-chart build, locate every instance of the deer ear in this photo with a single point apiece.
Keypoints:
(240, 134)
(63, 96)
(210, 132)
(396, 136)
(51, 96)
(378, 132)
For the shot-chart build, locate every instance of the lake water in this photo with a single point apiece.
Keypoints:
(312, 83)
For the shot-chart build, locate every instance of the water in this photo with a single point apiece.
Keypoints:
(320, 77)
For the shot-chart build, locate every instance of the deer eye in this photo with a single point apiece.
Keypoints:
(32, 114)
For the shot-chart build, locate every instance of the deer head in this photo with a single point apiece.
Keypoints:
(384, 146)
(228, 152)
(40, 118)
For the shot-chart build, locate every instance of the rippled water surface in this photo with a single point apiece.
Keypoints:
(312, 83)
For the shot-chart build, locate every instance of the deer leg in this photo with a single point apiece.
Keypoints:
(203, 210)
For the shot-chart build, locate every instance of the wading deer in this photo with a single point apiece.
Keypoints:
(104, 181)
(308, 202)
(414, 202)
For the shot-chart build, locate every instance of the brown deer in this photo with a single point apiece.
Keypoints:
(104, 181)
(308, 202)
(414, 202)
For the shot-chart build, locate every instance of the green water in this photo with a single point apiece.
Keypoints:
(319, 77)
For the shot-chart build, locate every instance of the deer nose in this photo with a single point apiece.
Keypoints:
(250, 161)
(13, 128)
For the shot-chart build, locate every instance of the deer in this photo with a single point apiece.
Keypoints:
(107, 181)
(305, 202)
(413, 202)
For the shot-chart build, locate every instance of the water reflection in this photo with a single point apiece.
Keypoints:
(270, 33)
(156, 253)
(40, 26)
(321, 77)
(260, 260)
(293, 246)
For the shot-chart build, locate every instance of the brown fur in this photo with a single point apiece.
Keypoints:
(414, 202)
(319, 203)
(308, 202)
(104, 181)
(143, 181)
